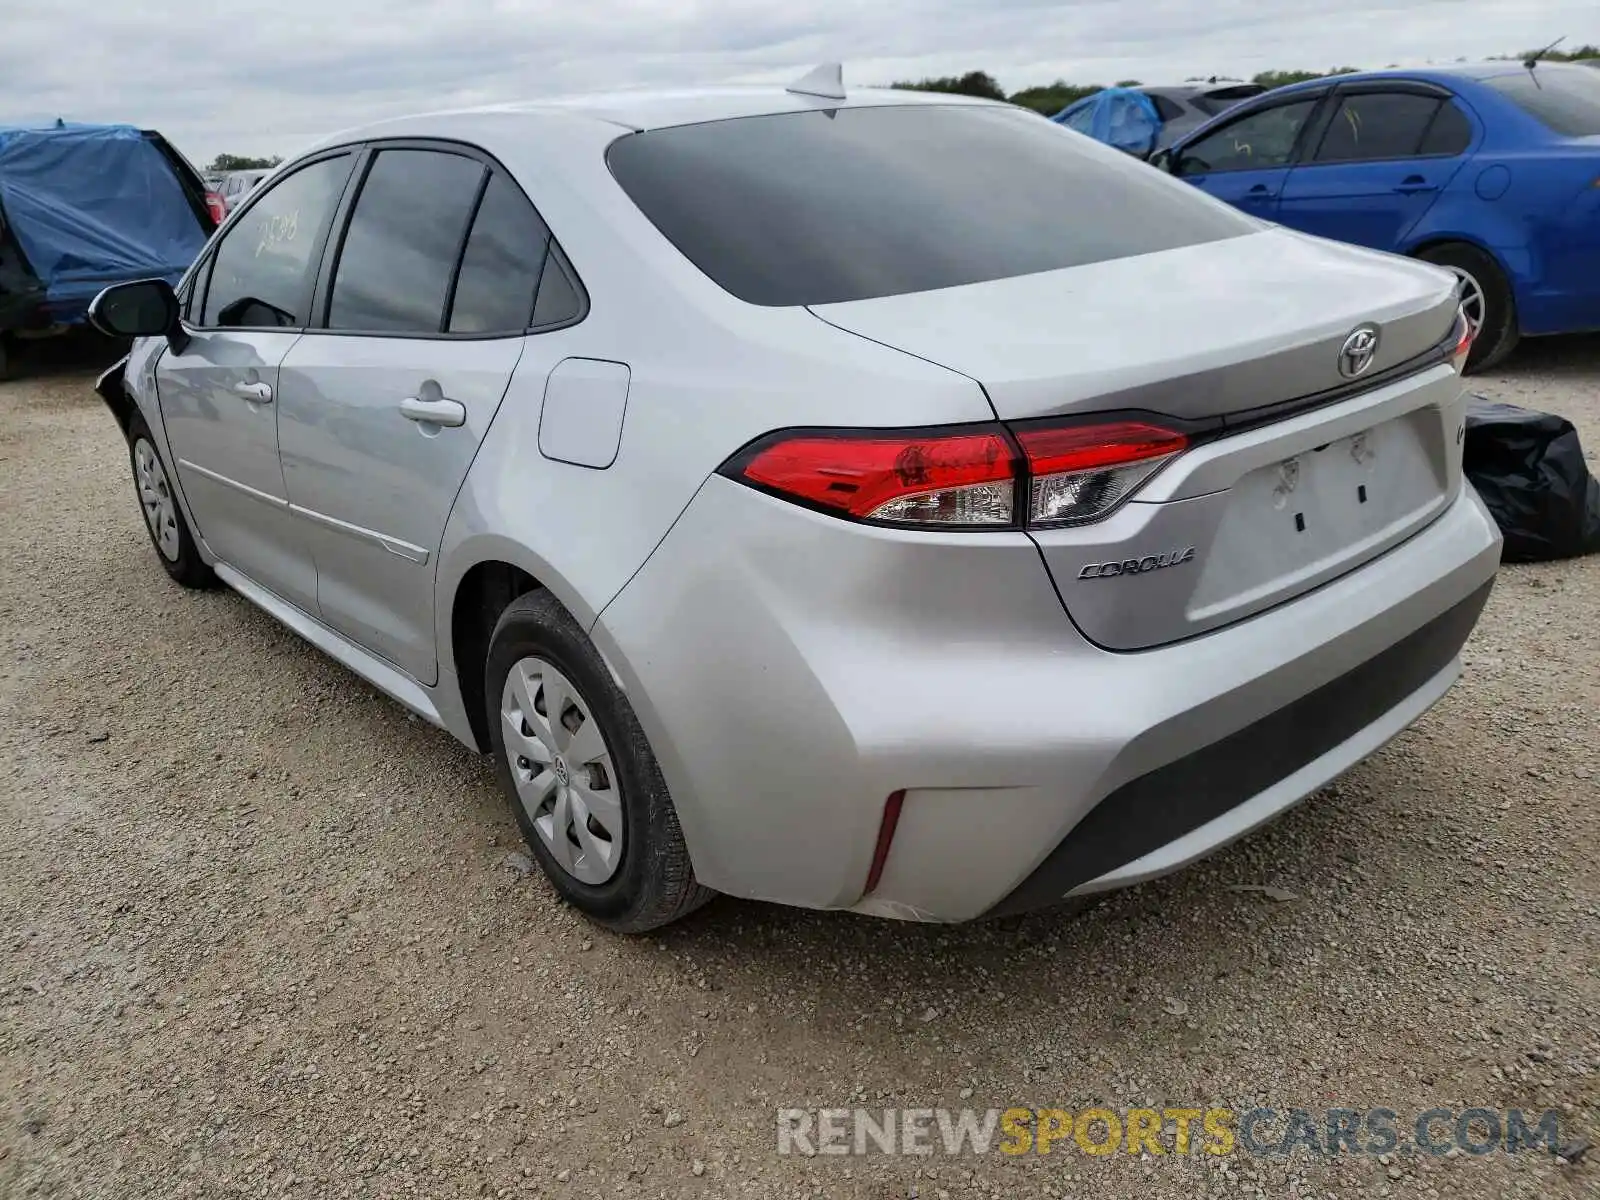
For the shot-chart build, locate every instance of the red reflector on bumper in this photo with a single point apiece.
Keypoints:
(886, 828)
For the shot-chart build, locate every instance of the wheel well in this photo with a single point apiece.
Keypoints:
(484, 593)
(1435, 243)
(115, 394)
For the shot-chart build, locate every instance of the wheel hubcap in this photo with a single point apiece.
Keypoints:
(155, 497)
(1472, 301)
(562, 769)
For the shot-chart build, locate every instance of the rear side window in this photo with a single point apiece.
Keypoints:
(1377, 125)
(1565, 99)
(854, 203)
(500, 270)
(264, 266)
(403, 241)
(1450, 134)
(559, 301)
(1167, 108)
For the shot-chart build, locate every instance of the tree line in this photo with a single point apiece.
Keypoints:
(1051, 98)
(243, 162)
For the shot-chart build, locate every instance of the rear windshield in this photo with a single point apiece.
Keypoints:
(854, 203)
(1568, 101)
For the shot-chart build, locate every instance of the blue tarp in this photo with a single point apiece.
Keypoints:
(92, 205)
(1120, 117)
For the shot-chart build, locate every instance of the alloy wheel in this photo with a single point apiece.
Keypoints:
(563, 771)
(155, 497)
(1473, 304)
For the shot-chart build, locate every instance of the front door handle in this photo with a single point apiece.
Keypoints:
(451, 413)
(259, 393)
(1260, 192)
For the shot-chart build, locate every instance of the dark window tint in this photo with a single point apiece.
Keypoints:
(1262, 139)
(192, 287)
(559, 299)
(847, 204)
(1232, 95)
(1566, 99)
(1450, 134)
(264, 266)
(1167, 108)
(1377, 125)
(500, 270)
(1223, 98)
(403, 241)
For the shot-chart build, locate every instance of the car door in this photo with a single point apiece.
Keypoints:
(1246, 161)
(1381, 156)
(429, 297)
(250, 301)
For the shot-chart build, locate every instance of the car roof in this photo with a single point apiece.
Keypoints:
(1473, 72)
(642, 110)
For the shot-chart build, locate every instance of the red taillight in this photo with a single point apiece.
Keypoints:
(961, 477)
(981, 477)
(215, 207)
(1052, 451)
(1080, 473)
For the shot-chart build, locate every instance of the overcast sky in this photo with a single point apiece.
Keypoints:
(266, 76)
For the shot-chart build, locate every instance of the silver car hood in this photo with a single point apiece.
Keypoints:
(1221, 327)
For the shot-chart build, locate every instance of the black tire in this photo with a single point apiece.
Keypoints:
(5, 358)
(653, 883)
(1498, 335)
(180, 558)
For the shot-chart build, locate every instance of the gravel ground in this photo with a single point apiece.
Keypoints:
(264, 934)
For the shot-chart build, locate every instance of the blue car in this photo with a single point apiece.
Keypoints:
(1492, 170)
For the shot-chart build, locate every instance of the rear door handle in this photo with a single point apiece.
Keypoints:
(1260, 192)
(260, 393)
(451, 413)
(1412, 184)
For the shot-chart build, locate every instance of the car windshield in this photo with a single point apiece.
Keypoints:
(854, 203)
(1567, 101)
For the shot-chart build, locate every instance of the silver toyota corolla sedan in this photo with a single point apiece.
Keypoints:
(885, 502)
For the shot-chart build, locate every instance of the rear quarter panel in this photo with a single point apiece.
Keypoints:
(1526, 198)
(708, 374)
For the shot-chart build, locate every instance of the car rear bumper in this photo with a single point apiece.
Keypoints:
(1175, 814)
(792, 671)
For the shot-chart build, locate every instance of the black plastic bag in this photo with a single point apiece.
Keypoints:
(1529, 469)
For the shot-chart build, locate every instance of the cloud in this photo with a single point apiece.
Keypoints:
(265, 76)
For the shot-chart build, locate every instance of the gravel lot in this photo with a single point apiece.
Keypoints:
(263, 934)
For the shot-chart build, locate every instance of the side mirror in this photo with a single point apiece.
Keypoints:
(143, 308)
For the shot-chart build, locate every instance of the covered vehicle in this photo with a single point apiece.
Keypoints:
(1121, 117)
(85, 206)
(1142, 120)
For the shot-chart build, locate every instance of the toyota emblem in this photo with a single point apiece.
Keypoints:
(1359, 351)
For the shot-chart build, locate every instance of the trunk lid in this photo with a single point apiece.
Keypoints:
(1201, 331)
(1306, 474)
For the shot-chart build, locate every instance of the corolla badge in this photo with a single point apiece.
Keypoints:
(1359, 351)
(1136, 566)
